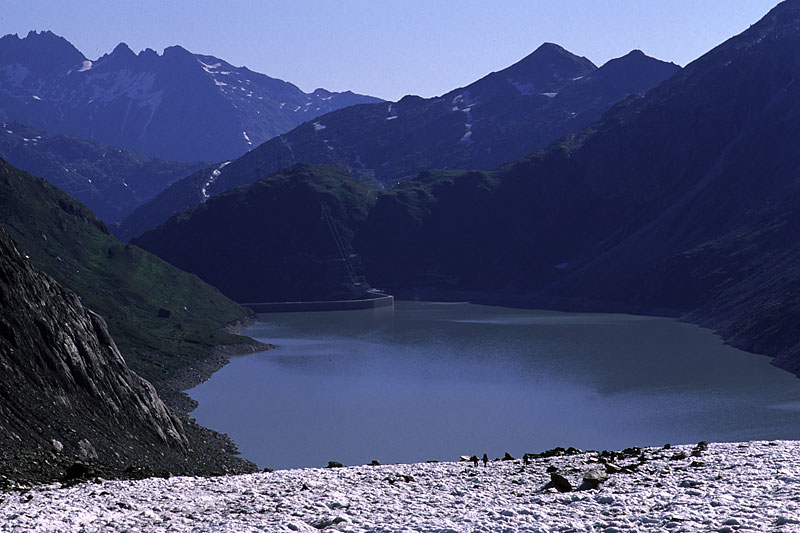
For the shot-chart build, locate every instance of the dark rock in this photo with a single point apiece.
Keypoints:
(561, 483)
(551, 469)
(164, 313)
(699, 448)
(508, 457)
(667, 446)
(678, 456)
(374, 462)
(77, 471)
(334, 464)
(611, 468)
(268, 469)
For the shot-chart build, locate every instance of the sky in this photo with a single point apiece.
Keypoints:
(388, 48)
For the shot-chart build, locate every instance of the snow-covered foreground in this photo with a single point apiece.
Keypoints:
(729, 487)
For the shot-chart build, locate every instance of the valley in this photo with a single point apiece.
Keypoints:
(587, 253)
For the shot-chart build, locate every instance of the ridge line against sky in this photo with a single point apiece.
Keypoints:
(388, 49)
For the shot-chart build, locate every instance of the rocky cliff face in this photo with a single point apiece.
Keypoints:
(66, 393)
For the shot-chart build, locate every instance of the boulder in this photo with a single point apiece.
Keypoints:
(593, 478)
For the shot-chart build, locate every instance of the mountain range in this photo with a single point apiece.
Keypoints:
(111, 182)
(679, 202)
(503, 116)
(176, 106)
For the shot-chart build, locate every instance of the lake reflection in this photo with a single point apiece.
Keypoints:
(440, 380)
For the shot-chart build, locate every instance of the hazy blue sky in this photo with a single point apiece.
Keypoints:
(383, 48)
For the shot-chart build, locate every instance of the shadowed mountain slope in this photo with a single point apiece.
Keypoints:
(275, 240)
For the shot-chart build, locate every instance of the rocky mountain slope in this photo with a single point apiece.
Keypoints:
(503, 116)
(680, 202)
(175, 106)
(67, 394)
(166, 323)
(109, 181)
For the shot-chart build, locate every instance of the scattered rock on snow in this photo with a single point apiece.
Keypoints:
(593, 478)
(561, 483)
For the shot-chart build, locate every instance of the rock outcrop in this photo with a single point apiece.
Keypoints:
(66, 393)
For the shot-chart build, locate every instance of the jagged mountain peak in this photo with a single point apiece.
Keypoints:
(634, 68)
(176, 51)
(553, 59)
(122, 49)
(41, 52)
(175, 105)
(543, 70)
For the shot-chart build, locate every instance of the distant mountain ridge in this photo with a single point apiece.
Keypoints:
(503, 116)
(109, 181)
(176, 106)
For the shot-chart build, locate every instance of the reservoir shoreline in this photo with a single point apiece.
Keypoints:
(311, 367)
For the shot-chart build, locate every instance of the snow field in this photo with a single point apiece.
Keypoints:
(729, 487)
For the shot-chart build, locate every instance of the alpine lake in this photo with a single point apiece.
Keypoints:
(434, 381)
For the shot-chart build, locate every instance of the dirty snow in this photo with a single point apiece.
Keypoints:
(729, 487)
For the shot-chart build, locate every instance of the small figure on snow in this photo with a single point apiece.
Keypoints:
(485, 459)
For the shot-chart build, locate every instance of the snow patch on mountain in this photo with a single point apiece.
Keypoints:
(724, 487)
(211, 179)
(87, 65)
